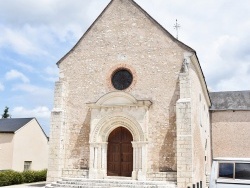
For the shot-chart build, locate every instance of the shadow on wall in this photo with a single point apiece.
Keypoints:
(167, 156)
(80, 151)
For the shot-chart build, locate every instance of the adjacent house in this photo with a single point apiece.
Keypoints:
(23, 145)
(230, 115)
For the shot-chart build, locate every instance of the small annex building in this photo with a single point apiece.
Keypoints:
(230, 115)
(23, 145)
(131, 101)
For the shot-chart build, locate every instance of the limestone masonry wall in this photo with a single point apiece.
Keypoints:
(125, 37)
(139, 44)
(200, 129)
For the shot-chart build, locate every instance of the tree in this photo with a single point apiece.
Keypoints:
(6, 113)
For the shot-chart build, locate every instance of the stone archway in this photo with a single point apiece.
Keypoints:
(113, 110)
(99, 146)
(120, 153)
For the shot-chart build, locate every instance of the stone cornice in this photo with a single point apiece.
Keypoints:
(140, 103)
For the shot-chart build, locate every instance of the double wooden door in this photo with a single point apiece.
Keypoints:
(120, 153)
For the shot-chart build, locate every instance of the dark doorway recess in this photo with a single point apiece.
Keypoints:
(120, 153)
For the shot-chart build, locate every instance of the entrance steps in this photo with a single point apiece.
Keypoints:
(107, 183)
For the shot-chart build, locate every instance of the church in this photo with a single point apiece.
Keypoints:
(132, 105)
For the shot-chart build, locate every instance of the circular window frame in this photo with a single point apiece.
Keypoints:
(116, 68)
(124, 81)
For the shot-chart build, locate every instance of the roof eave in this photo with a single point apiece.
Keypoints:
(196, 62)
(7, 132)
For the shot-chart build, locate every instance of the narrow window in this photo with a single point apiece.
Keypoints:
(27, 165)
(200, 110)
(198, 185)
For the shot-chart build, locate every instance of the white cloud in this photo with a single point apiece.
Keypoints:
(51, 70)
(217, 33)
(51, 73)
(14, 74)
(46, 20)
(227, 63)
(1, 87)
(234, 83)
(33, 90)
(17, 41)
(26, 66)
(37, 112)
(51, 79)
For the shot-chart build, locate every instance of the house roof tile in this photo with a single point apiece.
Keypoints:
(230, 100)
(11, 125)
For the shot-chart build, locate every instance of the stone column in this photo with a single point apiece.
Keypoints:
(98, 160)
(135, 164)
(57, 131)
(103, 169)
(142, 173)
(184, 134)
(93, 161)
(139, 160)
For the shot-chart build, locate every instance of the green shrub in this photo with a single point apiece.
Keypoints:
(40, 175)
(10, 177)
(16, 177)
(28, 176)
(4, 178)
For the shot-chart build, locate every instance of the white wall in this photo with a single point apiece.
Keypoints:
(30, 144)
(6, 150)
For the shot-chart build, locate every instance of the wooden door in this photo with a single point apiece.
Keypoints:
(120, 153)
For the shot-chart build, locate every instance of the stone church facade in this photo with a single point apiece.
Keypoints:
(131, 101)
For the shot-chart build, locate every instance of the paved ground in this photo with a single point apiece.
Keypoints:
(30, 185)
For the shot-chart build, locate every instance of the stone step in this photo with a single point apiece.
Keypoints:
(102, 185)
(107, 183)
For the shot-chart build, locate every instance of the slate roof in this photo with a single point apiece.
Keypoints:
(230, 100)
(11, 125)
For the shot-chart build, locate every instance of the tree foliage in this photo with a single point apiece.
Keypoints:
(6, 113)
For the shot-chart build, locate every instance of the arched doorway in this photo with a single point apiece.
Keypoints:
(120, 153)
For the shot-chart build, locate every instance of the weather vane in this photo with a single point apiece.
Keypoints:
(176, 27)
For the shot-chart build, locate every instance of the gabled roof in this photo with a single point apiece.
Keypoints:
(230, 100)
(11, 125)
(181, 44)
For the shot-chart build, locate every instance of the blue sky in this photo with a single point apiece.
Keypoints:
(34, 35)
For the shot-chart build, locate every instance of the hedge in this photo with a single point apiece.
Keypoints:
(10, 177)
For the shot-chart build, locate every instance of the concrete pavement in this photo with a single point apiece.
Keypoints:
(30, 185)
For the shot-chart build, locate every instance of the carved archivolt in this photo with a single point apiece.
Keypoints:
(118, 99)
(107, 124)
